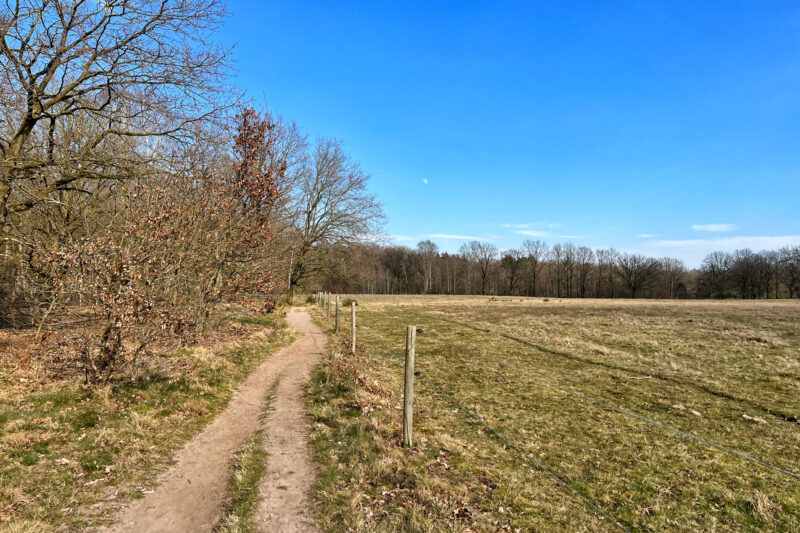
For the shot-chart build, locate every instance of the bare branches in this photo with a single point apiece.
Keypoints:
(332, 207)
(133, 68)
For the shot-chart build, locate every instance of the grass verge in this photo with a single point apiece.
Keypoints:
(70, 455)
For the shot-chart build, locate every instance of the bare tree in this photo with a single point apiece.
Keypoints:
(584, 260)
(715, 275)
(80, 77)
(482, 254)
(672, 271)
(428, 252)
(790, 269)
(332, 207)
(537, 253)
(637, 271)
(606, 260)
(512, 262)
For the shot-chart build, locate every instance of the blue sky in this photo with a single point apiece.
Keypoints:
(663, 127)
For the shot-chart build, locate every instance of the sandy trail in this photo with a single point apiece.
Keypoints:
(286, 487)
(188, 497)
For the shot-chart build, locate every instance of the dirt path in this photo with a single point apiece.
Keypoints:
(188, 497)
(285, 489)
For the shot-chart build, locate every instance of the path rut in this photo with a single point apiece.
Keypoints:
(189, 496)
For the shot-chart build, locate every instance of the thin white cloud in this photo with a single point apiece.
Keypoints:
(533, 224)
(425, 181)
(402, 238)
(694, 250)
(714, 227)
(548, 235)
(584, 236)
(533, 233)
(518, 226)
(454, 237)
(647, 235)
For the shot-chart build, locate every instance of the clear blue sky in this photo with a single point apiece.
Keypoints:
(663, 127)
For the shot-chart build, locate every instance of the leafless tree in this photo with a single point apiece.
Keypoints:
(790, 269)
(537, 253)
(672, 272)
(81, 77)
(606, 261)
(715, 275)
(584, 261)
(332, 208)
(427, 251)
(483, 254)
(512, 263)
(637, 271)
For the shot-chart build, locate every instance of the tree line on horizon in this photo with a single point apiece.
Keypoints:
(560, 270)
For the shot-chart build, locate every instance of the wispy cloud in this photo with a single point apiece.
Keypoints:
(550, 225)
(454, 237)
(518, 226)
(714, 227)
(694, 250)
(533, 233)
(647, 235)
(734, 243)
(401, 238)
(542, 234)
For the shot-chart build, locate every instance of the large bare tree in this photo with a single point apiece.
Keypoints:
(637, 271)
(332, 208)
(88, 87)
(428, 251)
(537, 253)
(483, 254)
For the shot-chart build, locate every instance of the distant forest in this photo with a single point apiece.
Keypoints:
(560, 270)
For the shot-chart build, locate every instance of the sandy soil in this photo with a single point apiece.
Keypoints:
(188, 497)
(285, 489)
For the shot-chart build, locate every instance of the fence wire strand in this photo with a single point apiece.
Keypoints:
(623, 411)
(502, 438)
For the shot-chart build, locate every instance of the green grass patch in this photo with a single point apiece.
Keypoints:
(250, 464)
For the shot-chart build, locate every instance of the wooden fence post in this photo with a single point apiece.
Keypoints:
(336, 321)
(328, 306)
(408, 394)
(353, 326)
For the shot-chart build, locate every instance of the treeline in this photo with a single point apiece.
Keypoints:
(137, 192)
(560, 270)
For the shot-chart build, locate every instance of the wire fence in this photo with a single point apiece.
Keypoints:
(395, 354)
(623, 411)
(508, 443)
(650, 373)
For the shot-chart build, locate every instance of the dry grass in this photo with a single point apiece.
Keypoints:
(70, 455)
(726, 371)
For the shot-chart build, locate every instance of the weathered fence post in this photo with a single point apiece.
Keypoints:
(328, 306)
(336, 320)
(408, 394)
(353, 326)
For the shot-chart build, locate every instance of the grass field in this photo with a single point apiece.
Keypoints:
(70, 455)
(728, 372)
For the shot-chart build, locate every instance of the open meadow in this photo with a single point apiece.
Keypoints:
(576, 415)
